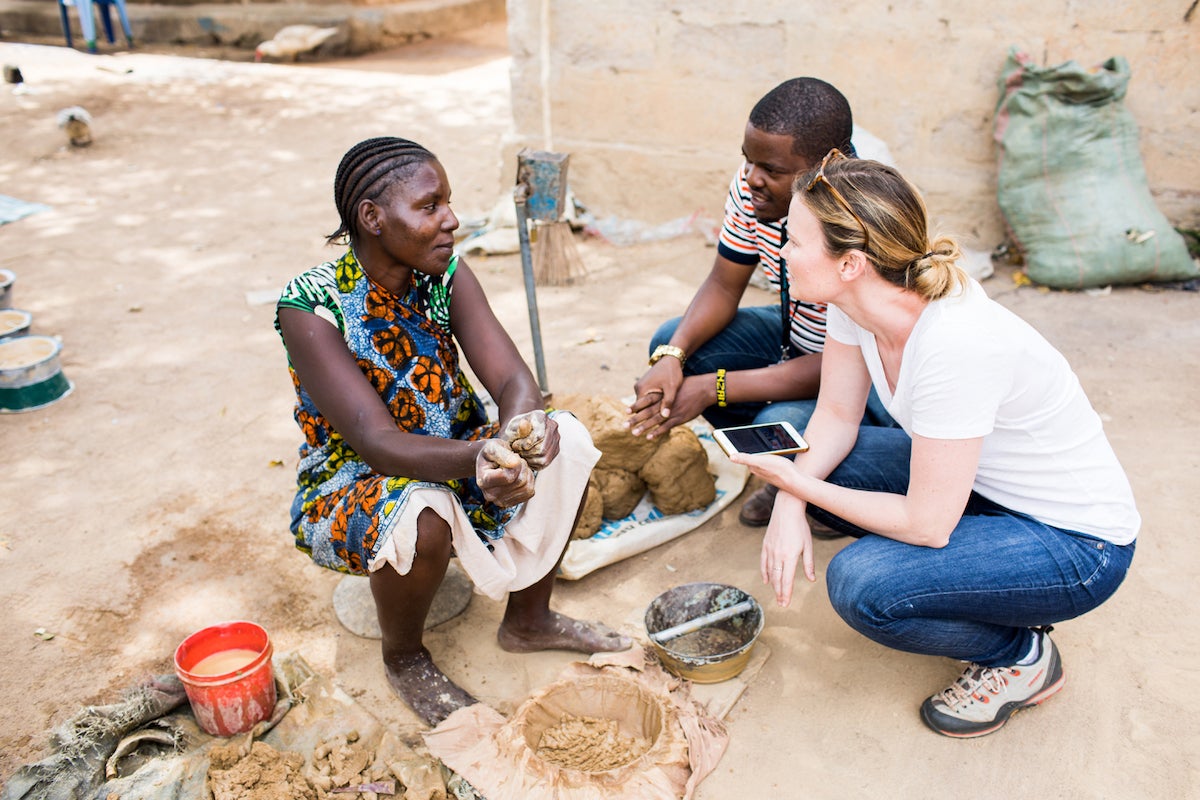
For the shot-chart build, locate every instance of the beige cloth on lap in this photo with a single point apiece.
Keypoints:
(533, 539)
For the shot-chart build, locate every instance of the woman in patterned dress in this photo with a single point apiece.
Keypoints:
(400, 468)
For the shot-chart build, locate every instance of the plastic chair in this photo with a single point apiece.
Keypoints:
(87, 20)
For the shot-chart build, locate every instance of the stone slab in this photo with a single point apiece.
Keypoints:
(354, 605)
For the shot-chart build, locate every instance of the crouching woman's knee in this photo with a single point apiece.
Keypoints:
(858, 587)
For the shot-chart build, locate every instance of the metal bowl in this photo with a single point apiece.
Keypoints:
(14, 322)
(30, 374)
(7, 279)
(715, 653)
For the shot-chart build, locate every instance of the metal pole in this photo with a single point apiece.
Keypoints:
(520, 195)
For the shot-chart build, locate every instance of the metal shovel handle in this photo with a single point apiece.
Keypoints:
(702, 621)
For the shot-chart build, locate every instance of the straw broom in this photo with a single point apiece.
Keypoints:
(556, 258)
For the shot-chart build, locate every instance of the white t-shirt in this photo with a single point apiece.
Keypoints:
(972, 368)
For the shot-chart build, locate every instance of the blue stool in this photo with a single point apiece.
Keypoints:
(87, 20)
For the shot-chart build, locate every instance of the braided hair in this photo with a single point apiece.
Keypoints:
(368, 170)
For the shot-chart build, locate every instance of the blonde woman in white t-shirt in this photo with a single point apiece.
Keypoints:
(997, 508)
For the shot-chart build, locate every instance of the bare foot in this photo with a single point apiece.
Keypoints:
(562, 633)
(424, 687)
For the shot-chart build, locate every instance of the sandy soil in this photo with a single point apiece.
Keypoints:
(153, 500)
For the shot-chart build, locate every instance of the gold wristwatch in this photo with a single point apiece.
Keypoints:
(667, 350)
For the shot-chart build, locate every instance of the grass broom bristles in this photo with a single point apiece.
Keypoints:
(556, 258)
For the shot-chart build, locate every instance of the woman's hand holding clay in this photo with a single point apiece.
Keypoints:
(505, 478)
(534, 437)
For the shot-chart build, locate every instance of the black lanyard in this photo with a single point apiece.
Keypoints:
(785, 304)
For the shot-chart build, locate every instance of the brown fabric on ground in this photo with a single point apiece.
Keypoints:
(498, 757)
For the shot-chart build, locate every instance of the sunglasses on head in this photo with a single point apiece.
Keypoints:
(838, 155)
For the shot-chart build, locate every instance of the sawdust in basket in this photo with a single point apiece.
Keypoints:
(671, 743)
(590, 744)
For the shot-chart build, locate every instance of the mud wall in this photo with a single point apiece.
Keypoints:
(650, 97)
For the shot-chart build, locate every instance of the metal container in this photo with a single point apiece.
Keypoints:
(712, 654)
(544, 174)
(30, 374)
(14, 322)
(7, 279)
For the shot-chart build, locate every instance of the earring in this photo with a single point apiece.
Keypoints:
(378, 231)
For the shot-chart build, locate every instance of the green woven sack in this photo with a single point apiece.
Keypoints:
(1071, 183)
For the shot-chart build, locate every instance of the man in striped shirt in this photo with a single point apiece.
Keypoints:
(736, 365)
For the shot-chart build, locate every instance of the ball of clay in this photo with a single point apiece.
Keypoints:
(677, 474)
(621, 490)
(605, 420)
(591, 517)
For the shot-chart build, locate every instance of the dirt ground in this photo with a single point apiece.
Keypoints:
(153, 500)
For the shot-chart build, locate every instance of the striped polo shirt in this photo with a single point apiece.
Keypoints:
(746, 240)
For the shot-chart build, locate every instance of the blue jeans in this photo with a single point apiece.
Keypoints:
(752, 340)
(975, 599)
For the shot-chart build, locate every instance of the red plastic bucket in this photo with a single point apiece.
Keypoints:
(226, 670)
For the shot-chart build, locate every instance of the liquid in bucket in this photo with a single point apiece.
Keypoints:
(227, 672)
(225, 663)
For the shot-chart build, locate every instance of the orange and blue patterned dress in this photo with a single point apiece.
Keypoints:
(405, 349)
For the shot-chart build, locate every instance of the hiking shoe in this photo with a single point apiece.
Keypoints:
(983, 698)
(756, 511)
